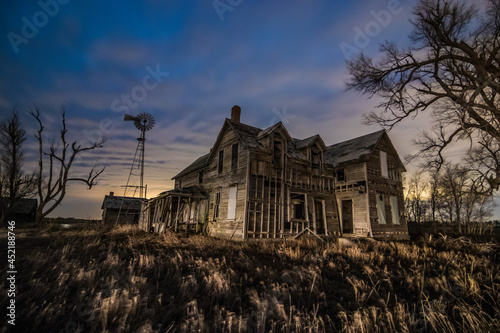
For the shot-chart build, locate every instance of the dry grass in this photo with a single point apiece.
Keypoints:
(124, 280)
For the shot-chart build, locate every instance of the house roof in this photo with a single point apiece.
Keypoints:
(351, 151)
(189, 192)
(197, 164)
(246, 134)
(355, 150)
(304, 143)
(115, 202)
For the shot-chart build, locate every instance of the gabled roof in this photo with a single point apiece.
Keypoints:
(271, 129)
(304, 143)
(246, 133)
(126, 203)
(351, 151)
(355, 150)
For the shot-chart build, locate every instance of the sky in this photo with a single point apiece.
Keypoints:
(187, 64)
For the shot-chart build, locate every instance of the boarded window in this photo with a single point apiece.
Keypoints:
(234, 157)
(216, 205)
(221, 161)
(231, 206)
(395, 209)
(381, 209)
(383, 164)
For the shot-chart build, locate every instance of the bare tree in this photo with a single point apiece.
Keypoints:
(415, 201)
(452, 69)
(454, 184)
(14, 183)
(54, 178)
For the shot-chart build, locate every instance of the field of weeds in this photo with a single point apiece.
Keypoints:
(124, 280)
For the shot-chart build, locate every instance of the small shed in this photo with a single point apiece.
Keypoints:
(122, 210)
(24, 211)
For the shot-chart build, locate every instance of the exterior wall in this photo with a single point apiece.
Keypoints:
(220, 183)
(264, 203)
(387, 187)
(109, 216)
(351, 189)
(274, 191)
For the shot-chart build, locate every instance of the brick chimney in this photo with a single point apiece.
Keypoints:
(111, 194)
(235, 114)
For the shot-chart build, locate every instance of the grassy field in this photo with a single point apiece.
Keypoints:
(124, 280)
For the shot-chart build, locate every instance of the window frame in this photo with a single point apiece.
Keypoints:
(384, 167)
(216, 205)
(220, 166)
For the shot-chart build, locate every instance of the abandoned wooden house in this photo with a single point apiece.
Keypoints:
(263, 183)
(121, 210)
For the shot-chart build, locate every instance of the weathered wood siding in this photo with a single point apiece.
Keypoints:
(353, 188)
(220, 183)
(109, 217)
(387, 187)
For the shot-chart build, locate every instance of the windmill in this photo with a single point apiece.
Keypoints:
(143, 122)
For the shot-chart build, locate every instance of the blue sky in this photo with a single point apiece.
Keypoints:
(278, 60)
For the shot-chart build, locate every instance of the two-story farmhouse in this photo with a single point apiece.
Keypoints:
(263, 183)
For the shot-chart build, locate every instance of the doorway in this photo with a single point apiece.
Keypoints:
(347, 218)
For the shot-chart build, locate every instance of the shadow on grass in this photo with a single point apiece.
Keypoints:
(95, 280)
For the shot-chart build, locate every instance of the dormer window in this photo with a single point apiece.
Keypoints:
(316, 162)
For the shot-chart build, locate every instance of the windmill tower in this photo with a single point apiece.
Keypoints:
(143, 122)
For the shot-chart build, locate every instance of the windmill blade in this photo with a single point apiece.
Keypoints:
(144, 122)
(129, 118)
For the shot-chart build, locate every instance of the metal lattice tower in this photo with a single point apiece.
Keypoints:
(143, 122)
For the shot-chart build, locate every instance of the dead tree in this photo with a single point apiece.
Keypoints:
(452, 70)
(54, 178)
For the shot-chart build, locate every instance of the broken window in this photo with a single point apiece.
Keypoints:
(341, 175)
(216, 204)
(298, 202)
(277, 153)
(221, 161)
(316, 162)
(200, 177)
(234, 157)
